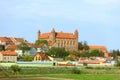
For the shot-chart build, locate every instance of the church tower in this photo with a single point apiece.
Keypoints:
(76, 36)
(39, 34)
(52, 35)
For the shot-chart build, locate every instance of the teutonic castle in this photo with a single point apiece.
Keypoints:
(60, 39)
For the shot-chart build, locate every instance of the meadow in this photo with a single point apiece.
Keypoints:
(61, 73)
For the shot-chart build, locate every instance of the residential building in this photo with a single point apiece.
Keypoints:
(11, 41)
(8, 56)
(41, 56)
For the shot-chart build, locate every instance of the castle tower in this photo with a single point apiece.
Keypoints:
(39, 34)
(52, 36)
(76, 33)
(76, 36)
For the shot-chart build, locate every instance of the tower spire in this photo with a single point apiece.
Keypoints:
(39, 34)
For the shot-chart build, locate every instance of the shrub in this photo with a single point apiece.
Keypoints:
(15, 68)
(88, 67)
(117, 64)
(76, 71)
(85, 64)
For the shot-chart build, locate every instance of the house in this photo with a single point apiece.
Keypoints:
(8, 56)
(11, 48)
(41, 56)
(11, 41)
(60, 39)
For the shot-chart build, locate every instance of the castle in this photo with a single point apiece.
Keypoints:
(68, 41)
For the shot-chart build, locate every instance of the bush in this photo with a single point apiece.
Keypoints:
(117, 64)
(15, 68)
(70, 58)
(75, 71)
(89, 67)
(85, 64)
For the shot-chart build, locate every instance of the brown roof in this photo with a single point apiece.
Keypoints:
(58, 35)
(11, 47)
(12, 40)
(65, 35)
(43, 55)
(8, 53)
(97, 47)
(45, 36)
(4, 39)
(19, 39)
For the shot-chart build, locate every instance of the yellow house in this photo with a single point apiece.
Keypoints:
(41, 56)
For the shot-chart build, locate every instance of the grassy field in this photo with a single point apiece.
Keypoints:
(68, 77)
(59, 73)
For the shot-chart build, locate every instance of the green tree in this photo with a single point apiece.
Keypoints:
(80, 46)
(37, 42)
(24, 47)
(58, 52)
(96, 53)
(27, 58)
(83, 46)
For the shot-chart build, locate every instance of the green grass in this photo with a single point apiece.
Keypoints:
(89, 76)
(68, 77)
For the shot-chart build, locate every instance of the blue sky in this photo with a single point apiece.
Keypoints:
(98, 21)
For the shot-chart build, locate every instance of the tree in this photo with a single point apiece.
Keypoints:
(37, 42)
(115, 54)
(80, 46)
(83, 46)
(24, 47)
(58, 52)
(96, 53)
(27, 58)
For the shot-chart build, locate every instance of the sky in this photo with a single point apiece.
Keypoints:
(98, 21)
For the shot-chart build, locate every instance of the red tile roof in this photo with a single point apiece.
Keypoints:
(3, 39)
(43, 56)
(65, 35)
(11, 47)
(45, 36)
(58, 35)
(8, 53)
(19, 39)
(97, 47)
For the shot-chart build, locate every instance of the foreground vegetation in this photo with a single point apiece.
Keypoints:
(60, 73)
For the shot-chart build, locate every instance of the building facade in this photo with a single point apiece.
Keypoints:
(8, 56)
(68, 41)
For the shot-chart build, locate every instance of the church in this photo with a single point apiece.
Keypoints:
(69, 41)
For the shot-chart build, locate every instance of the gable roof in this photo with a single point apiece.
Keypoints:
(12, 40)
(4, 39)
(11, 47)
(43, 55)
(65, 35)
(97, 47)
(8, 53)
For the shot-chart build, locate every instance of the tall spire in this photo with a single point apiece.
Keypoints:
(76, 31)
(39, 34)
(53, 30)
